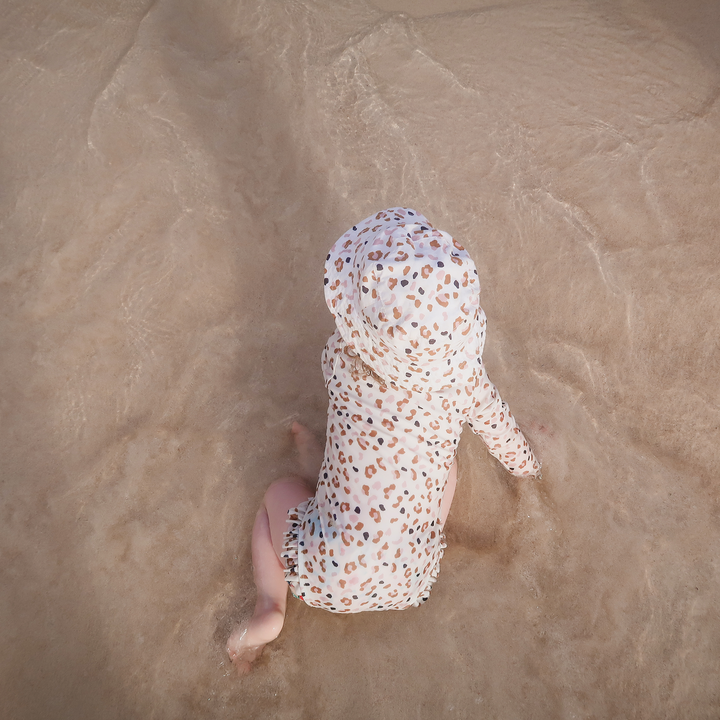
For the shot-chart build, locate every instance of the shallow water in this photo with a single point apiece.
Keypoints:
(173, 174)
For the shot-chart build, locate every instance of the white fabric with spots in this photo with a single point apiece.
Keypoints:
(404, 373)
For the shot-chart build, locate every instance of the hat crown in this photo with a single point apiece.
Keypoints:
(418, 292)
(406, 298)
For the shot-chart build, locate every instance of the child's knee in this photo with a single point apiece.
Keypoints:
(286, 483)
(287, 489)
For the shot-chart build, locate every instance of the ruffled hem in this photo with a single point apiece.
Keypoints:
(290, 557)
(425, 594)
(290, 551)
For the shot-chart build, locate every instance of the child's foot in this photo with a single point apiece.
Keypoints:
(248, 640)
(310, 451)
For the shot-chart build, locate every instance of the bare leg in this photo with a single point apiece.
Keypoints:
(448, 494)
(247, 641)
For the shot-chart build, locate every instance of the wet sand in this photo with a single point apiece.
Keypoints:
(173, 174)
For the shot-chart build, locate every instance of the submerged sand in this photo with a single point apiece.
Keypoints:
(173, 174)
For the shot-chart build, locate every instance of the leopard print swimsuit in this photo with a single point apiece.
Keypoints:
(404, 373)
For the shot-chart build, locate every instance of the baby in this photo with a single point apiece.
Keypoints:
(404, 372)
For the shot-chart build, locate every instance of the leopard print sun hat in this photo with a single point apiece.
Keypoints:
(406, 299)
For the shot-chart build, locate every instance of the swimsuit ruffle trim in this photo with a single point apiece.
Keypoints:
(290, 551)
(425, 594)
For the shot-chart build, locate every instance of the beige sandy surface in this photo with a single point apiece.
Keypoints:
(172, 176)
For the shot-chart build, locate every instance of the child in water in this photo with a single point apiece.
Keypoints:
(404, 373)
